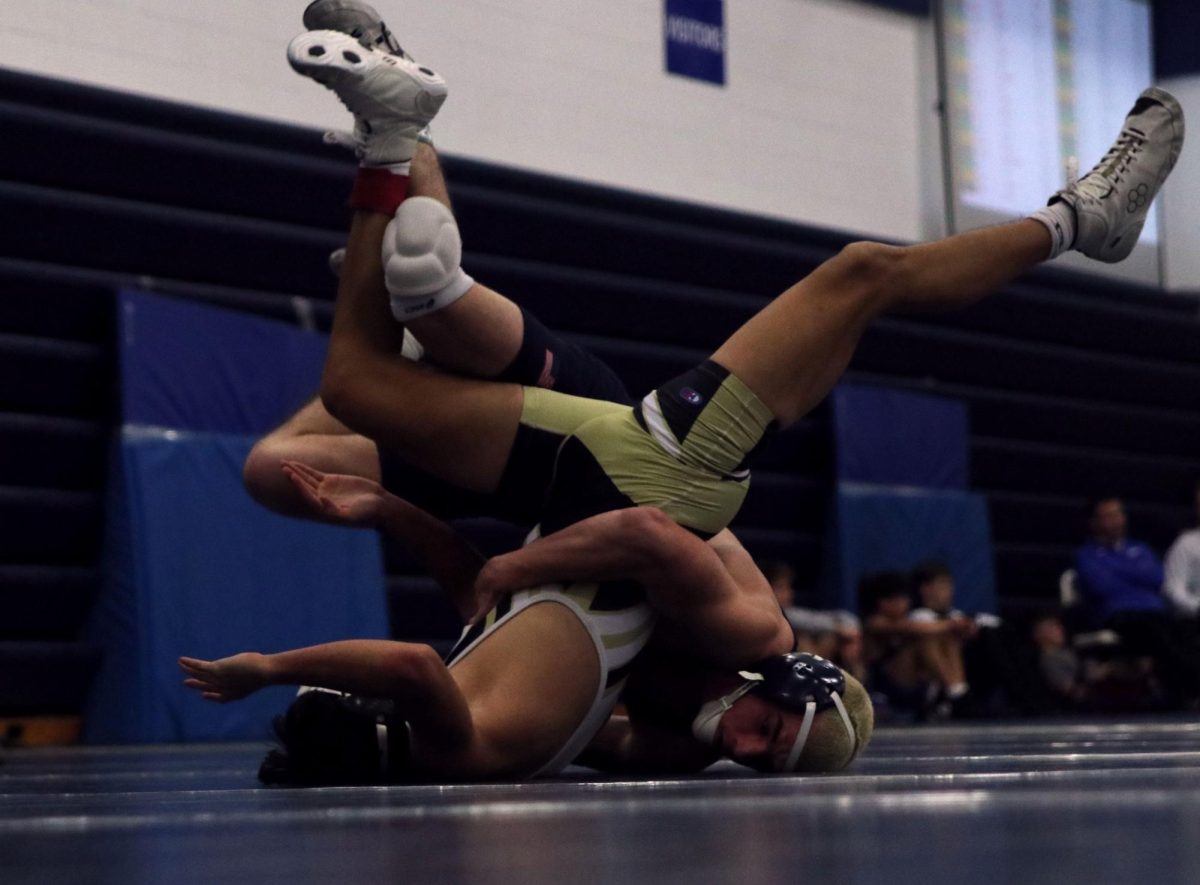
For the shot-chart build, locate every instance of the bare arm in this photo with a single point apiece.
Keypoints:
(881, 626)
(726, 617)
(444, 554)
(411, 675)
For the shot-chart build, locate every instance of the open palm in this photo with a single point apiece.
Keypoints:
(229, 679)
(338, 497)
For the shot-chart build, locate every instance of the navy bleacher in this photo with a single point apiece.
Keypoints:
(1074, 383)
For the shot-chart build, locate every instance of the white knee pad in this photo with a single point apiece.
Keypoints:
(421, 259)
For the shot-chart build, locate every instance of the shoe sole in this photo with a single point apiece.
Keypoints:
(327, 57)
(334, 59)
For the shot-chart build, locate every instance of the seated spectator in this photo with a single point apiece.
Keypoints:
(997, 685)
(916, 664)
(1120, 684)
(1059, 665)
(1181, 584)
(1120, 585)
(782, 578)
(835, 635)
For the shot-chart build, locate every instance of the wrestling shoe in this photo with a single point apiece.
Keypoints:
(391, 97)
(355, 18)
(1112, 201)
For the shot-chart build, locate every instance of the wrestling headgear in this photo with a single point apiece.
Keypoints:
(334, 738)
(800, 681)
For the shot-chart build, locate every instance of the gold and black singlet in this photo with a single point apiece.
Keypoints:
(619, 621)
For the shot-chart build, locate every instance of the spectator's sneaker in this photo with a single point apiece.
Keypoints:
(355, 18)
(1111, 202)
(392, 98)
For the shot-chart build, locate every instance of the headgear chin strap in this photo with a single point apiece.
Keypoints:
(810, 713)
(704, 726)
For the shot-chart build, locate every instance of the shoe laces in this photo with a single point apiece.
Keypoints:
(388, 40)
(1111, 169)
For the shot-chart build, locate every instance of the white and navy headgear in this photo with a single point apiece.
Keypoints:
(799, 681)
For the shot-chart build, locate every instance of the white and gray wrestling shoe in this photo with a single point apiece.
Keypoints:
(1112, 201)
(392, 98)
(353, 17)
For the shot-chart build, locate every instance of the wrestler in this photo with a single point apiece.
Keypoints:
(695, 432)
(783, 713)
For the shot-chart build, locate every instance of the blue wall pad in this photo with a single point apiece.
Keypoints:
(192, 367)
(893, 437)
(193, 566)
(196, 567)
(878, 528)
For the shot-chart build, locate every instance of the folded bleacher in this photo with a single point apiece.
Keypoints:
(1073, 383)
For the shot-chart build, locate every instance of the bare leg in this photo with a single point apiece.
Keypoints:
(942, 657)
(315, 437)
(479, 334)
(903, 668)
(795, 349)
(458, 429)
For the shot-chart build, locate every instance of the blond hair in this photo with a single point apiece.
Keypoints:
(829, 747)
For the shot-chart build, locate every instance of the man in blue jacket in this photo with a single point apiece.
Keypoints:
(1121, 583)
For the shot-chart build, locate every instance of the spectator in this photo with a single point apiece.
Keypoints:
(916, 664)
(1112, 685)
(834, 635)
(1120, 583)
(997, 683)
(1059, 665)
(1117, 576)
(782, 578)
(1182, 581)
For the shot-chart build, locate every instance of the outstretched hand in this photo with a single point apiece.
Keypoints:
(229, 679)
(349, 500)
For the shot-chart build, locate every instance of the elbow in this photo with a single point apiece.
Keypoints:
(411, 666)
(645, 531)
(262, 475)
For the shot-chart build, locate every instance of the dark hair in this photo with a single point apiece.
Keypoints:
(329, 739)
(1044, 615)
(882, 585)
(930, 570)
(774, 569)
(1094, 501)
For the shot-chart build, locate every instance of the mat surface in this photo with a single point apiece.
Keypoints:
(1062, 803)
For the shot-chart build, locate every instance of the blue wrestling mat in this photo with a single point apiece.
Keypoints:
(1043, 803)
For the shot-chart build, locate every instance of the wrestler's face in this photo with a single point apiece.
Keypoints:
(758, 734)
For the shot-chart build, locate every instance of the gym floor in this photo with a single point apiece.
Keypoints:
(1049, 802)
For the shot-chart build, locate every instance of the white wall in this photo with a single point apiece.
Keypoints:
(819, 122)
(1181, 196)
(827, 117)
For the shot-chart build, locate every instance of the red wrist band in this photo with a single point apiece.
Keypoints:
(378, 190)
